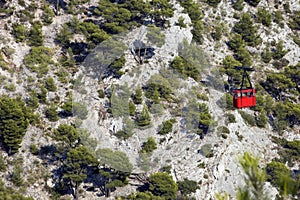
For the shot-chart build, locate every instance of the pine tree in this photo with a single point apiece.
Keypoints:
(144, 119)
(13, 122)
(75, 168)
(52, 113)
(36, 37)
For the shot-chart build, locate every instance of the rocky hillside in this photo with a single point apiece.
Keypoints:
(133, 99)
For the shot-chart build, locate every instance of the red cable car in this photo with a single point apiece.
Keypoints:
(244, 97)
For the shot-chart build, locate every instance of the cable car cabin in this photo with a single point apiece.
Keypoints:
(244, 98)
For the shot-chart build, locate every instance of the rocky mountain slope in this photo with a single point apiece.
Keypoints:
(81, 63)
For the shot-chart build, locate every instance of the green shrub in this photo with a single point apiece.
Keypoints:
(64, 35)
(275, 171)
(132, 108)
(187, 186)
(238, 5)
(10, 87)
(203, 97)
(249, 119)
(34, 149)
(166, 127)
(50, 84)
(42, 96)
(264, 16)
(16, 177)
(217, 34)
(162, 185)
(230, 118)
(223, 129)
(122, 135)
(80, 110)
(159, 84)
(245, 27)
(38, 59)
(51, 113)
(137, 97)
(143, 118)
(266, 55)
(19, 32)
(48, 15)
(213, 3)
(14, 120)
(279, 52)
(295, 22)
(36, 37)
(181, 23)
(166, 169)
(262, 119)
(236, 42)
(3, 166)
(185, 68)
(243, 56)
(149, 146)
(101, 94)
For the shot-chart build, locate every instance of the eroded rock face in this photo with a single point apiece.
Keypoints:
(179, 149)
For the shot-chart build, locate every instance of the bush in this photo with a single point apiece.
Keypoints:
(275, 171)
(249, 119)
(101, 94)
(266, 55)
(264, 16)
(185, 68)
(132, 108)
(137, 97)
(34, 149)
(158, 88)
(230, 118)
(80, 110)
(213, 3)
(262, 119)
(181, 23)
(64, 35)
(187, 186)
(19, 32)
(36, 37)
(16, 177)
(245, 27)
(51, 113)
(253, 2)
(162, 185)
(149, 146)
(279, 52)
(223, 129)
(295, 22)
(50, 84)
(48, 15)
(14, 120)
(122, 135)
(217, 34)
(166, 127)
(238, 5)
(3, 166)
(38, 59)
(143, 118)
